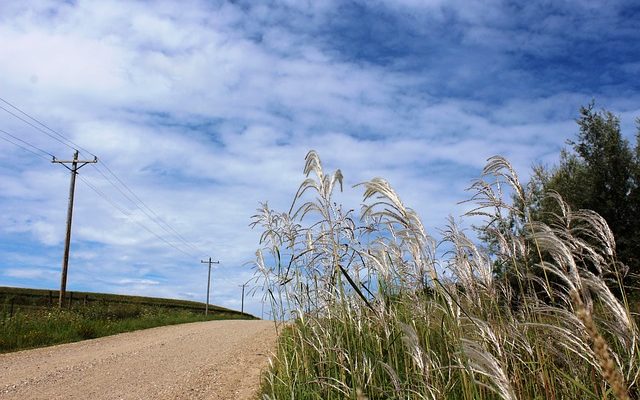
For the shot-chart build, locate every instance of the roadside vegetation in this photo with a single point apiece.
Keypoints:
(30, 318)
(370, 307)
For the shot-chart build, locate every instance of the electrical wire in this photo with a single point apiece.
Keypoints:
(61, 138)
(128, 215)
(26, 143)
(42, 124)
(23, 148)
(106, 198)
(142, 206)
(92, 187)
(38, 128)
(170, 230)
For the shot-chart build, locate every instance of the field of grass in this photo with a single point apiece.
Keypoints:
(31, 318)
(371, 308)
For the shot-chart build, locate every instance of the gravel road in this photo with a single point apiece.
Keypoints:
(202, 360)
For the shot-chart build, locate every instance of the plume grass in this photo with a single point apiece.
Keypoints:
(367, 310)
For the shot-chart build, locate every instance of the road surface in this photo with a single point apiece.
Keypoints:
(202, 360)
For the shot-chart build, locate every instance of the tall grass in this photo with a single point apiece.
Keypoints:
(367, 310)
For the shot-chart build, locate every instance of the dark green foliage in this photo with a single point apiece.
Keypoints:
(600, 172)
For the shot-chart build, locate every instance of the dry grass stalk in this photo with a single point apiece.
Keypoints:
(377, 315)
(610, 371)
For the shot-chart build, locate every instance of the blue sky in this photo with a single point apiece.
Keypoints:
(206, 108)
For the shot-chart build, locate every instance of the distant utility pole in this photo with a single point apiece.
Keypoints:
(75, 166)
(206, 307)
(242, 308)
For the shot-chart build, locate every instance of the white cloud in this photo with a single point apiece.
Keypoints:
(207, 108)
(31, 273)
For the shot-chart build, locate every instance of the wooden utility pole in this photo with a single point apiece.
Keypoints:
(206, 307)
(75, 166)
(242, 307)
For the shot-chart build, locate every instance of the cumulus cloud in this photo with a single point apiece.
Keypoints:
(206, 108)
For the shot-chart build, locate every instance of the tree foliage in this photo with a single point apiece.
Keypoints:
(600, 172)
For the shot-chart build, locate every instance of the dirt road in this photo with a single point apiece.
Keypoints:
(202, 360)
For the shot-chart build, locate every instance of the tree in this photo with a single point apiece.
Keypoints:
(600, 172)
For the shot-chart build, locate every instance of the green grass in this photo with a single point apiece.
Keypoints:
(368, 311)
(30, 317)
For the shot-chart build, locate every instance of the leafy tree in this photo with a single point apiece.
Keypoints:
(600, 172)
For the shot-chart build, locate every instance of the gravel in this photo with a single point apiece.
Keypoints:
(202, 360)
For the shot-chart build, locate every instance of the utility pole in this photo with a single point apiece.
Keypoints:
(75, 166)
(242, 307)
(206, 307)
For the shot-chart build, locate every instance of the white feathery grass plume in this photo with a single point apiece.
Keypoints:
(510, 245)
(567, 332)
(488, 197)
(412, 343)
(598, 229)
(395, 379)
(470, 266)
(567, 280)
(328, 213)
(389, 209)
(380, 262)
(453, 308)
(313, 164)
(260, 262)
(484, 363)
(564, 217)
(586, 233)
(565, 266)
(496, 166)
(330, 181)
(622, 324)
(488, 335)
(598, 244)
(608, 360)
(270, 222)
(309, 240)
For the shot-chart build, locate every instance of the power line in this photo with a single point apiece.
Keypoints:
(37, 127)
(104, 197)
(153, 212)
(142, 206)
(135, 204)
(23, 148)
(128, 215)
(65, 141)
(86, 182)
(26, 143)
(34, 119)
(114, 185)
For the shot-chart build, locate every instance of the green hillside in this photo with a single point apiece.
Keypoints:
(31, 317)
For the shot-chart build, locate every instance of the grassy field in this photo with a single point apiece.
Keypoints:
(370, 309)
(31, 318)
